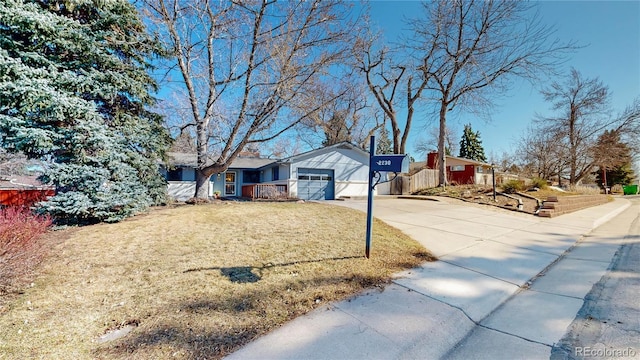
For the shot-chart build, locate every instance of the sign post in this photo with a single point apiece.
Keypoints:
(370, 187)
(493, 180)
(380, 163)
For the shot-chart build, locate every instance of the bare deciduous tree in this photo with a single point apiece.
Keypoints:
(248, 67)
(12, 163)
(628, 125)
(467, 50)
(348, 117)
(387, 78)
(597, 138)
(541, 153)
(583, 106)
(430, 144)
(505, 162)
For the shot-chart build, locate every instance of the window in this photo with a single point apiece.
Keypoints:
(230, 184)
(315, 177)
(275, 173)
(457, 167)
(174, 175)
(251, 176)
(479, 169)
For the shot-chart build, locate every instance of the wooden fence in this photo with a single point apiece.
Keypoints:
(405, 184)
(24, 197)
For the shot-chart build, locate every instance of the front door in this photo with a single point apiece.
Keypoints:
(230, 184)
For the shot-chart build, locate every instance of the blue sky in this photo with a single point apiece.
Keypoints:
(609, 32)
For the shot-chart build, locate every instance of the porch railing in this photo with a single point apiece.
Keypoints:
(265, 191)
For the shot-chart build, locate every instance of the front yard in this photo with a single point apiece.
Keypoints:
(195, 281)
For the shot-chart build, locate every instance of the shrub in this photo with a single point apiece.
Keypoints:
(585, 190)
(19, 248)
(512, 186)
(18, 225)
(272, 192)
(539, 183)
(617, 189)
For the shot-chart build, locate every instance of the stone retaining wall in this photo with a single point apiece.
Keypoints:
(558, 205)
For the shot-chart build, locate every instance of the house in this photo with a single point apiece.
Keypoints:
(23, 190)
(327, 173)
(463, 171)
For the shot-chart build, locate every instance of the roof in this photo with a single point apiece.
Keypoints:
(468, 161)
(21, 182)
(191, 160)
(185, 159)
(341, 145)
(250, 163)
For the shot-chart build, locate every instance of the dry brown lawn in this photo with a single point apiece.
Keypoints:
(195, 282)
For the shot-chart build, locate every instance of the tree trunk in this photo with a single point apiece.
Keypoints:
(202, 185)
(405, 135)
(442, 164)
(573, 154)
(395, 132)
(202, 176)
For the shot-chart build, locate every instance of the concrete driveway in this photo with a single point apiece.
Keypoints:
(487, 257)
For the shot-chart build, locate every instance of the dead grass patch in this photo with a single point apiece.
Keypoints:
(196, 282)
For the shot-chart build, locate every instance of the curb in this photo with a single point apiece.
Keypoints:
(603, 219)
(417, 197)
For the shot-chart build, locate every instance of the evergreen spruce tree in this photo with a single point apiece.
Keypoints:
(471, 145)
(612, 155)
(619, 175)
(447, 151)
(74, 89)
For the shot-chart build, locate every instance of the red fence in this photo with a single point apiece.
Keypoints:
(24, 197)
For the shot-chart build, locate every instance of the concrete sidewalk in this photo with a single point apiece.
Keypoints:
(485, 256)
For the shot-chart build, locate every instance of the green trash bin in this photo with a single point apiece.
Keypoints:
(630, 189)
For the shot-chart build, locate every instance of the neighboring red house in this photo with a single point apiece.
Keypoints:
(463, 171)
(23, 190)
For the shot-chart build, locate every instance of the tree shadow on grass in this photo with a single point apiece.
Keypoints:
(186, 343)
(245, 274)
(240, 274)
